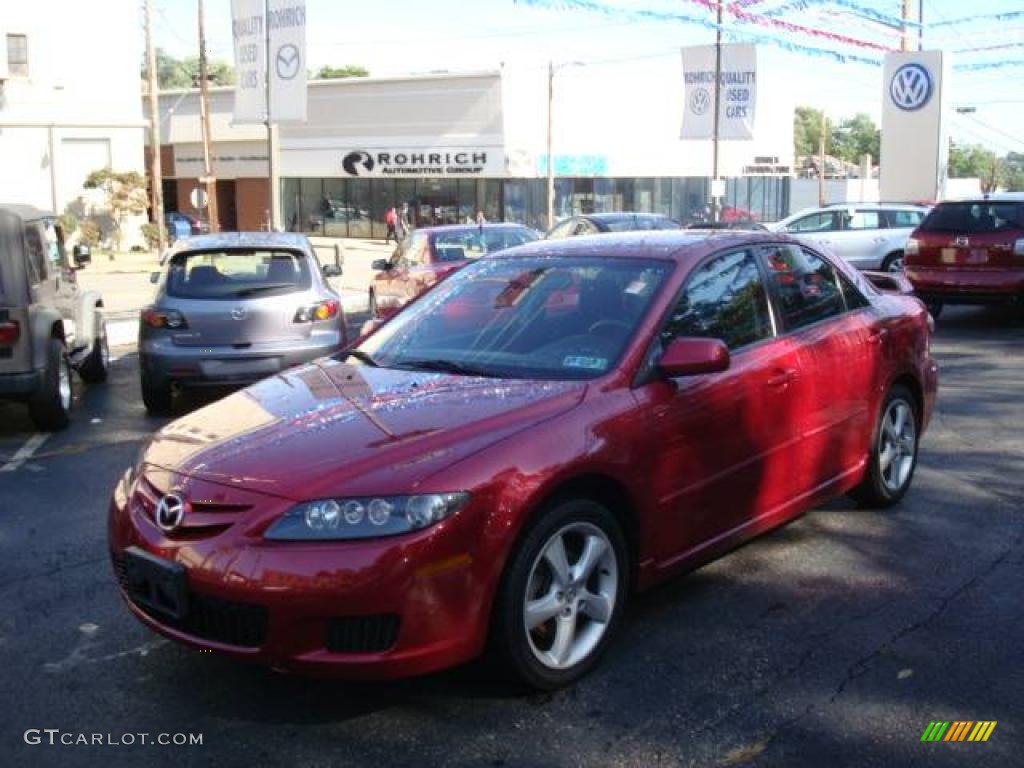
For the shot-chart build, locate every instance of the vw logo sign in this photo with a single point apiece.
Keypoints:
(911, 87)
(700, 101)
(170, 512)
(354, 161)
(238, 313)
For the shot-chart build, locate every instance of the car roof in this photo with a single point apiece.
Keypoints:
(242, 240)
(621, 215)
(467, 227)
(26, 212)
(995, 197)
(679, 245)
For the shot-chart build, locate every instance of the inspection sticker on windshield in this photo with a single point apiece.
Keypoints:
(637, 287)
(590, 363)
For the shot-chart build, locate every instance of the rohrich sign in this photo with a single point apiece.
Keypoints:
(915, 152)
(446, 161)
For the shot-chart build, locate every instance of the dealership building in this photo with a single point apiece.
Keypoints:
(449, 144)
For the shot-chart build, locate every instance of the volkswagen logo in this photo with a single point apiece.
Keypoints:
(911, 87)
(238, 313)
(354, 161)
(700, 101)
(170, 512)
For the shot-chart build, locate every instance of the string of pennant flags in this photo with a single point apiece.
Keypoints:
(740, 28)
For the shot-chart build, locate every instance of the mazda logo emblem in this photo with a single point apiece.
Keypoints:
(170, 512)
(354, 161)
(287, 61)
(911, 87)
(700, 101)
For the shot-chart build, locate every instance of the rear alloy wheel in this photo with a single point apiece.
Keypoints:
(893, 263)
(50, 407)
(157, 397)
(563, 594)
(96, 365)
(893, 454)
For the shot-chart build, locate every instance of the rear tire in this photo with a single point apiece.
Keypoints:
(157, 398)
(892, 458)
(934, 308)
(94, 369)
(568, 577)
(893, 263)
(49, 408)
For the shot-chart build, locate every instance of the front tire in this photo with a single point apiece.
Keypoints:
(893, 455)
(893, 263)
(562, 595)
(49, 408)
(934, 308)
(94, 369)
(157, 397)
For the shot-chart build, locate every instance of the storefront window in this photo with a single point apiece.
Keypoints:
(383, 198)
(290, 204)
(311, 206)
(489, 197)
(662, 199)
(359, 224)
(642, 198)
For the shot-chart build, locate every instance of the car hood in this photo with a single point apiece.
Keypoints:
(329, 428)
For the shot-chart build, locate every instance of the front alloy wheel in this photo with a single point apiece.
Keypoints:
(893, 452)
(563, 594)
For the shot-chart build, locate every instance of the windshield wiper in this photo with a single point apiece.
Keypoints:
(447, 366)
(263, 288)
(362, 357)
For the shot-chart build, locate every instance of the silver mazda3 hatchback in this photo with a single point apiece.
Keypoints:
(235, 307)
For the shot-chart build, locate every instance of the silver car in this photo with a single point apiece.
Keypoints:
(233, 308)
(867, 235)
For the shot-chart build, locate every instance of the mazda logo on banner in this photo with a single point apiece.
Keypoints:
(911, 87)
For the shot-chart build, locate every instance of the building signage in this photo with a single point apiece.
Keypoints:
(420, 161)
(737, 92)
(287, 49)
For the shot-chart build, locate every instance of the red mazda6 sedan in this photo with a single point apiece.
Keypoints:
(504, 461)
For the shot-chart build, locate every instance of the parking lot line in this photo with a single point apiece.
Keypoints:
(25, 452)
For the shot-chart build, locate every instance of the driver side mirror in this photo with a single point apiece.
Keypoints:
(82, 255)
(692, 357)
(382, 265)
(331, 270)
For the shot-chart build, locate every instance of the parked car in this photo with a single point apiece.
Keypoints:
(868, 235)
(233, 308)
(181, 225)
(48, 325)
(429, 254)
(598, 223)
(969, 252)
(497, 463)
(748, 224)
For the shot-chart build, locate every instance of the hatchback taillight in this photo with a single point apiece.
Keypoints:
(912, 248)
(10, 332)
(1018, 248)
(155, 317)
(325, 310)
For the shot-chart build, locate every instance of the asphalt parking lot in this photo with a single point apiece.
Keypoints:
(833, 641)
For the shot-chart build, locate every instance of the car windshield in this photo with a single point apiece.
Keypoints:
(237, 273)
(977, 218)
(474, 243)
(533, 318)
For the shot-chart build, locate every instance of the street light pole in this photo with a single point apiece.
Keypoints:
(155, 168)
(208, 179)
(715, 200)
(551, 170)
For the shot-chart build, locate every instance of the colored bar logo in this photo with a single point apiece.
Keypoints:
(958, 730)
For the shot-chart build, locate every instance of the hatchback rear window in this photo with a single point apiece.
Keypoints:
(975, 218)
(237, 274)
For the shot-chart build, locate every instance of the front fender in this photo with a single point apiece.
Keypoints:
(43, 321)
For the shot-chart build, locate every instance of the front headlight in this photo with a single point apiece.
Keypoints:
(364, 518)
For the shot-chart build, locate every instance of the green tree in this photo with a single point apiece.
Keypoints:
(125, 192)
(807, 132)
(336, 73)
(184, 73)
(856, 137)
(970, 161)
(1013, 172)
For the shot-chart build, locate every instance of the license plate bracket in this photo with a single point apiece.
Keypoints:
(157, 584)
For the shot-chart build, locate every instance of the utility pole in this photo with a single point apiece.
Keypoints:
(920, 25)
(208, 180)
(155, 165)
(273, 215)
(551, 169)
(905, 37)
(716, 203)
(821, 159)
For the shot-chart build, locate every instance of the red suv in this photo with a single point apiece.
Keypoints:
(969, 252)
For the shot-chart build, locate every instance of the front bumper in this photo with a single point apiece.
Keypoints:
(967, 286)
(371, 609)
(162, 361)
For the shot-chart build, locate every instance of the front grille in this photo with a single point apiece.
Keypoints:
(208, 618)
(362, 634)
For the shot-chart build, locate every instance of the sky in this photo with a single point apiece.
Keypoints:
(398, 37)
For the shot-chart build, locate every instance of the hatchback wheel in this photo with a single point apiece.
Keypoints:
(96, 365)
(156, 396)
(934, 308)
(893, 263)
(563, 594)
(893, 454)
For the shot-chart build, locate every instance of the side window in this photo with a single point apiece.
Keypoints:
(36, 254)
(54, 244)
(584, 227)
(851, 294)
(863, 220)
(806, 285)
(724, 299)
(565, 229)
(904, 219)
(816, 222)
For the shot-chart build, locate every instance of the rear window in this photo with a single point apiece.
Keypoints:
(975, 218)
(237, 274)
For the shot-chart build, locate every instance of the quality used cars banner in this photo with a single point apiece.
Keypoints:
(737, 97)
(287, 59)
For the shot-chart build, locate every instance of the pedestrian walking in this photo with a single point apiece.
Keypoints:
(391, 220)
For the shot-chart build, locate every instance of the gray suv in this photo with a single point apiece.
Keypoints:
(233, 308)
(48, 326)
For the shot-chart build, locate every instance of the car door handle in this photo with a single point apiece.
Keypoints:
(782, 377)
